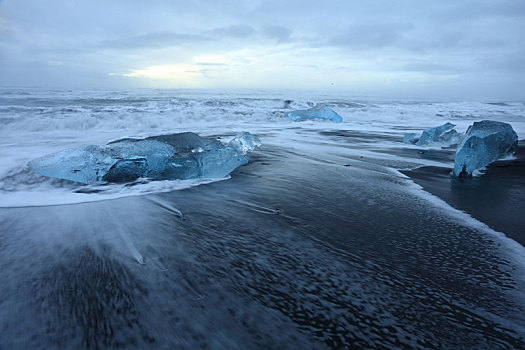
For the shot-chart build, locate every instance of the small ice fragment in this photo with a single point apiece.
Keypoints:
(439, 135)
(450, 137)
(411, 138)
(483, 143)
(244, 142)
(443, 135)
(317, 112)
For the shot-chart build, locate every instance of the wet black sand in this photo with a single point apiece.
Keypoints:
(495, 198)
(292, 252)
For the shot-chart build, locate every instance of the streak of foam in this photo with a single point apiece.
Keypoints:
(259, 208)
(166, 206)
(53, 197)
(131, 247)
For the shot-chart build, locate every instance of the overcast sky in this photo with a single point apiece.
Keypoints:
(457, 49)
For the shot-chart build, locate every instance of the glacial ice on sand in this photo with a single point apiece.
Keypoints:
(483, 143)
(450, 137)
(411, 138)
(317, 112)
(244, 142)
(443, 135)
(165, 157)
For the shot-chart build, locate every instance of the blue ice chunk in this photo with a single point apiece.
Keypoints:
(127, 170)
(90, 164)
(181, 142)
(450, 137)
(175, 156)
(411, 138)
(442, 135)
(244, 142)
(151, 153)
(483, 143)
(317, 112)
(213, 160)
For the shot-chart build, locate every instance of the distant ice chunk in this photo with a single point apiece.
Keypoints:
(318, 112)
(443, 135)
(483, 143)
(165, 157)
(245, 142)
(450, 137)
(411, 138)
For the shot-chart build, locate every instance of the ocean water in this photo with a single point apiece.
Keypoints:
(318, 242)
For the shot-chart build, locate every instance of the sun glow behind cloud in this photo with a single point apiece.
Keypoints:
(176, 73)
(269, 67)
(192, 74)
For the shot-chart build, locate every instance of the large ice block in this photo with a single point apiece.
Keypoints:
(165, 157)
(483, 143)
(317, 112)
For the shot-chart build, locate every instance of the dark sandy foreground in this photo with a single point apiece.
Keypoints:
(495, 198)
(293, 252)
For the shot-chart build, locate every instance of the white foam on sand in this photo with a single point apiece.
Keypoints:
(56, 196)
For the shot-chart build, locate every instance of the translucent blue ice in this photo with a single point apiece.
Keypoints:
(443, 135)
(411, 138)
(166, 157)
(483, 143)
(450, 137)
(244, 142)
(317, 112)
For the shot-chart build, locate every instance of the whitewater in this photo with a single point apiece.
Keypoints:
(38, 122)
(320, 241)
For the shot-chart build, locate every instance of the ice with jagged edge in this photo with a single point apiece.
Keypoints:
(443, 135)
(317, 112)
(166, 157)
(411, 138)
(483, 143)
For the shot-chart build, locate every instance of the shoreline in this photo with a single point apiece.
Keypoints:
(492, 198)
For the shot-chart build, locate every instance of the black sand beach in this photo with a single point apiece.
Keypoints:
(241, 175)
(292, 252)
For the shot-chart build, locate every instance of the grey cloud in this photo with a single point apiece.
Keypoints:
(510, 63)
(235, 31)
(154, 40)
(429, 67)
(369, 35)
(171, 39)
(277, 32)
(470, 10)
